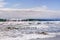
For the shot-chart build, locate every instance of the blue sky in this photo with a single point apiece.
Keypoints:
(51, 4)
(30, 9)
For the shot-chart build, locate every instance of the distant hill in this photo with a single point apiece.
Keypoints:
(41, 20)
(3, 20)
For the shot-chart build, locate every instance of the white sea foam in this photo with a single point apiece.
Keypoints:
(4, 35)
(10, 36)
(26, 37)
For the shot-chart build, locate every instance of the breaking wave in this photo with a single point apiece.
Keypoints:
(27, 30)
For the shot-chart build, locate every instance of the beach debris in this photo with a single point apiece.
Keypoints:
(44, 33)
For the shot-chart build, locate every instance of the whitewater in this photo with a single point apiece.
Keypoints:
(29, 30)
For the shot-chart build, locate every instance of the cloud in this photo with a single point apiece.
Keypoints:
(16, 5)
(2, 3)
(35, 9)
(1, 0)
(36, 12)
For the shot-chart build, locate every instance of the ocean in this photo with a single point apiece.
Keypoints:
(30, 30)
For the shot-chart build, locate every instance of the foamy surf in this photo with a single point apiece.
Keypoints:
(30, 36)
(15, 34)
(19, 36)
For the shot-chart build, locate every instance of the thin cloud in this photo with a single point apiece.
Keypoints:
(1, 0)
(37, 12)
(16, 5)
(2, 3)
